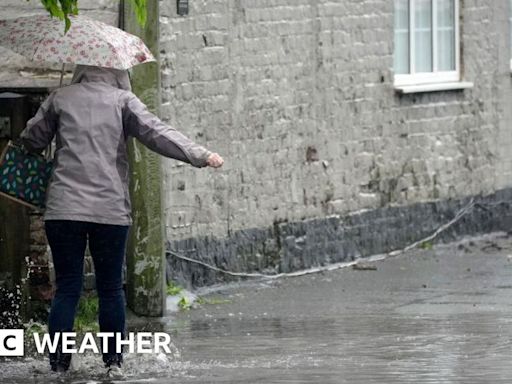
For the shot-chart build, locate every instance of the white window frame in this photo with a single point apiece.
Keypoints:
(435, 76)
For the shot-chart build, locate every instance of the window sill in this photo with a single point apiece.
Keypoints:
(451, 86)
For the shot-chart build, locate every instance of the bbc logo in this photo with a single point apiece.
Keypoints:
(11, 342)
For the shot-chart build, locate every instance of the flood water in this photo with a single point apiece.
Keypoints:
(431, 316)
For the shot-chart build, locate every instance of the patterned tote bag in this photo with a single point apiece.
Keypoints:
(24, 176)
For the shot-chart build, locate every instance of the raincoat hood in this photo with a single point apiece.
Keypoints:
(115, 77)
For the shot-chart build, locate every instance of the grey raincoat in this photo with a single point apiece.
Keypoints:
(92, 120)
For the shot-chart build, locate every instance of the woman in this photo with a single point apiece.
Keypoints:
(88, 198)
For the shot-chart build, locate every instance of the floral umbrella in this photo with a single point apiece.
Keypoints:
(88, 42)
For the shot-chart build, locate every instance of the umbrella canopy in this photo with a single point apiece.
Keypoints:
(88, 42)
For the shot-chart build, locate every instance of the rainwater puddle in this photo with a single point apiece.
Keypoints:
(363, 348)
(439, 316)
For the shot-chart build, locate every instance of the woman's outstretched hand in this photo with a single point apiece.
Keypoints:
(215, 160)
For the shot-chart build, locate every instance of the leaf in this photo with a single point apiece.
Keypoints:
(173, 289)
(63, 8)
(52, 6)
(184, 304)
(67, 24)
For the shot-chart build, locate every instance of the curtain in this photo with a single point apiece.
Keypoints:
(423, 36)
(401, 56)
(510, 22)
(446, 35)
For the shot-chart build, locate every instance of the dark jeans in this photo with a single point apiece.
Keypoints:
(107, 244)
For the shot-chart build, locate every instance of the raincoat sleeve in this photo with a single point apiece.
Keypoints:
(41, 129)
(160, 137)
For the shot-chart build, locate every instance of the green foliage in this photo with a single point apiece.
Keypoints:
(201, 301)
(427, 245)
(87, 314)
(30, 329)
(184, 304)
(34, 327)
(173, 289)
(63, 8)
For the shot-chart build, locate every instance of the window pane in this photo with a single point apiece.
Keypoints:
(446, 35)
(402, 36)
(510, 22)
(423, 36)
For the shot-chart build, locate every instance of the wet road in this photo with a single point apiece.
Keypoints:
(430, 316)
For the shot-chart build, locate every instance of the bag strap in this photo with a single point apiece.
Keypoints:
(47, 153)
(17, 143)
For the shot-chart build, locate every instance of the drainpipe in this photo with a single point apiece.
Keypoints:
(145, 257)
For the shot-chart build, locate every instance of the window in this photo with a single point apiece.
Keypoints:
(426, 42)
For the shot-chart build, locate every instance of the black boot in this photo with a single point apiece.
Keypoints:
(59, 361)
(54, 358)
(64, 361)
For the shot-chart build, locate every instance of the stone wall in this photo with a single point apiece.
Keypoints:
(290, 246)
(298, 96)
